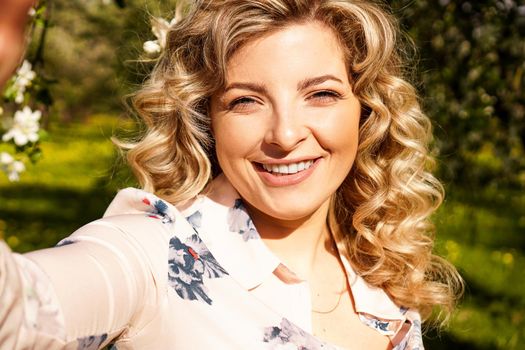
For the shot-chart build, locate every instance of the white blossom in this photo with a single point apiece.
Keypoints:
(19, 98)
(11, 167)
(25, 74)
(25, 127)
(152, 46)
(160, 28)
(31, 12)
(24, 77)
(5, 158)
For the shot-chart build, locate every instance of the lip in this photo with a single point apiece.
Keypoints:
(289, 179)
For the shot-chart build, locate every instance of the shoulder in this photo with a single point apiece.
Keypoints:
(137, 226)
(136, 212)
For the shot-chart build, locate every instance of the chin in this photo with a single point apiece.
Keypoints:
(289, 210)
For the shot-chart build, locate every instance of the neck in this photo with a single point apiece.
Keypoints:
(298, 243)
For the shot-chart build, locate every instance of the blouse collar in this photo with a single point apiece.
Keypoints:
(227, 230)
(229, 233)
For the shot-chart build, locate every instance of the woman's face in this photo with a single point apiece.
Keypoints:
(286, 124)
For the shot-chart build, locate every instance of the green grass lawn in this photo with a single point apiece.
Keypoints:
(482, 231)
(72, 184)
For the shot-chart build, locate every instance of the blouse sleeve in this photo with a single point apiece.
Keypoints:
(99, 284)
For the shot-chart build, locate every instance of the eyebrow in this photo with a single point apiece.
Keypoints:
(259, 88)
(304, 84)
(308, 82)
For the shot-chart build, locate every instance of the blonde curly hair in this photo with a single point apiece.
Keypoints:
(380, 214)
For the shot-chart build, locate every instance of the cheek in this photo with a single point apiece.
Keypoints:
(339, 134)
(350, 140)
(234, 139)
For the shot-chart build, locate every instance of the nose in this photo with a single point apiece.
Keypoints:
(287, 129)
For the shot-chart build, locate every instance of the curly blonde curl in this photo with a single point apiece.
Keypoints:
(380, 214)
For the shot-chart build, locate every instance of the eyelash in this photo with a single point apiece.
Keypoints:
(323, 96)
(241, 101)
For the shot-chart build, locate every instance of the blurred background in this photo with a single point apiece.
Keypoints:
(470, 72)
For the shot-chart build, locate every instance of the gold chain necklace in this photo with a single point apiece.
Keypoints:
(333, 249)
(333, 308)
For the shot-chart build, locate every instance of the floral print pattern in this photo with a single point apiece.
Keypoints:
(195, 219)
(384, 327)
(159, 210)
(65, 241)
(289, 336)
(42, 307)
(189, 263)
(92, 342)
(415, 342)
(239, 221)
(403, 345)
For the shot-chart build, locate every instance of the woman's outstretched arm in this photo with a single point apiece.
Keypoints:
(96, 286)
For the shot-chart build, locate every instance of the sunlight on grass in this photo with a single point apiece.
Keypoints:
(71, 185)
(483, 234)
(75, 155)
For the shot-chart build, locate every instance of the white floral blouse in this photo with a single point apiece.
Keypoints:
(148, 276)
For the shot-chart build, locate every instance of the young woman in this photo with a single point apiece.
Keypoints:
(285, 198)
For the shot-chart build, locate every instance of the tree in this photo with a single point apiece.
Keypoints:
(472, 64)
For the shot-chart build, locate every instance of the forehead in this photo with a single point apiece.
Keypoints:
(309, 47)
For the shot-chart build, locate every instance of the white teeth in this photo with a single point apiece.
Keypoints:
(291, 168)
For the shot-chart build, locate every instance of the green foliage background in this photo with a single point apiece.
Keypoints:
(470, 73)
(472, 63)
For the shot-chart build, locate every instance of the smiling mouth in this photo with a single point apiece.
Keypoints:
(286, 169)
